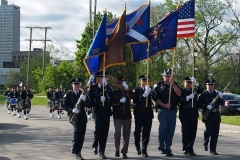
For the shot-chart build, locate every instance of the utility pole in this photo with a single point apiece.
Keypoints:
(44, 50)
(94, 20)
(90, 12)
(29, 53)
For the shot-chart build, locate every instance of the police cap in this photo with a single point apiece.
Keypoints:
(121, 79)
(75, 81)
(210, 82)
(144, 77)
(188, 79)
(100, 74)
(167, 72)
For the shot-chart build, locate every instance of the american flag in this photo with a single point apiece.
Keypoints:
(186, 20)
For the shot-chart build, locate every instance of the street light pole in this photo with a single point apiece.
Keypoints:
(194, 54)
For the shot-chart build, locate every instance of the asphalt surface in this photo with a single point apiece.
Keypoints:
(44, 138)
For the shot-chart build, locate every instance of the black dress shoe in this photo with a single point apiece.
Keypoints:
(102, 156)
(117, 154)
(205, 148)
(79, 157)
(139, 152)
(95, 152)
(185, 152)
(145, 155)
(124, 155)
(73, 151)
(169, 154)
(191, 154)
(213, 153)
(163, 151)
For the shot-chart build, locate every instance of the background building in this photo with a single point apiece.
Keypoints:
(9, 31)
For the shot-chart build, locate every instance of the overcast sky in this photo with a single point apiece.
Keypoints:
(66, 17)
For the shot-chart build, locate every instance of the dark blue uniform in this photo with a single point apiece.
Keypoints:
(143, 118)
(212, 123)
(188, 115)
(79, 131)
(101, 115)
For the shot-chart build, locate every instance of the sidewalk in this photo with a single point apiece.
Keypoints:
(224, 128)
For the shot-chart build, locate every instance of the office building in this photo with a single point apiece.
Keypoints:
(9, 31)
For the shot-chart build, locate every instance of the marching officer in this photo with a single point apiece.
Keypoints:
(26, 95)
(167, 110)
(51, 97)
(212, 122)
(79, 128)
(6, 95)
(143, 114)
(101, 112)
(188, 114)
(122, 117)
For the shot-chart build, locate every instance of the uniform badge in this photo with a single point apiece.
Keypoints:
(134, 90)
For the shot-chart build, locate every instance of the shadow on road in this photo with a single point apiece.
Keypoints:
(9, 126)
(4, 158)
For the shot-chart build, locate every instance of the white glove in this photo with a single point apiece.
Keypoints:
(193, 80)
(209, 107)
(191, 96)
(75, 110)
(220, 94)
(104, 81)
(125, 85)
(147, 88)
(83, 97)
(103, 99)
(123, 100)
(145, 94)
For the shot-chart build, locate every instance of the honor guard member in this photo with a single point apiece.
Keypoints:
(101, 112)
(51, 97)
(19, 99)
(13, 94)
(122, 116)
(79, 128)
(212, 123)
(26, 95)
(6, 95)
(143, 114)
(188, 114)
(167, 110)
(58, 102)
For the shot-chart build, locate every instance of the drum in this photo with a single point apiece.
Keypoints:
(7, 102)
(13, 102)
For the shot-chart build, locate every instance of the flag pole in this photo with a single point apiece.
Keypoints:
(193, 67)
(170, 88)
(125, 71)
(147, 71)
(104, 64)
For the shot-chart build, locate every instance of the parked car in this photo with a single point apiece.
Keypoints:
(232, 104)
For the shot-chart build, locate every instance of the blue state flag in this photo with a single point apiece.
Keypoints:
(137, 25)
(97, 48)
(163, 37)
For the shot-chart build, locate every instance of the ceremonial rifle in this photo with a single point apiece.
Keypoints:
(206, 113)
(79, 102)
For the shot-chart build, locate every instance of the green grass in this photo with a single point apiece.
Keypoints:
(39, 101)
(230, 119)
(2, 99)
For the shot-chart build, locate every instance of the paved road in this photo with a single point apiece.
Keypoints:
(45, 138)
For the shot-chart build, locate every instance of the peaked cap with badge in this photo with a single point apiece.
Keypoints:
(75, 81)
(209, 82)
(144, 77)
(167, 72)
